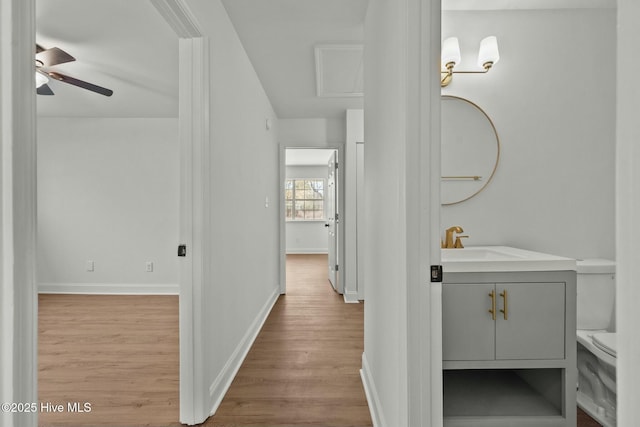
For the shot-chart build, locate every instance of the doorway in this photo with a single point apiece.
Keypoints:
(108, 214)
(106, 271)
(311, 208)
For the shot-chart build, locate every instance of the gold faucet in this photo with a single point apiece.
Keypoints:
(448, 242)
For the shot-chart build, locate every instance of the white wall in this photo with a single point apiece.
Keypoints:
(318, 132)
(384, 358)
(107, 192)
(402, 352)
(628, 210)
(552, 99)
(304, 237)
(242, 279)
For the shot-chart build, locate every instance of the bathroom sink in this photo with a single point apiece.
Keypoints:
(501, 258)
(480, 253)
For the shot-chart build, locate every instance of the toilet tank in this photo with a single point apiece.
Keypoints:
(596, 293)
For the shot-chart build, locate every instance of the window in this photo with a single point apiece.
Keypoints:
(304, 199)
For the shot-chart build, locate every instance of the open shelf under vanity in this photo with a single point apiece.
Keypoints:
(497, 397)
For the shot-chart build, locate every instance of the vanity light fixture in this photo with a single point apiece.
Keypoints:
(488, 56)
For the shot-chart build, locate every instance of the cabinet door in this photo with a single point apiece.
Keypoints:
(535, 324)
(468, 329)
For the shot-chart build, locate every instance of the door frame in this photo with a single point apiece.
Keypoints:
(18, 284)
(195, 164)
(424, 298)
(194, 209)
(18, 290)
(283, 224)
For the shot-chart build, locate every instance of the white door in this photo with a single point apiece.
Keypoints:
(333, 221)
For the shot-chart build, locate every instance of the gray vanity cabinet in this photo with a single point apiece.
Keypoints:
(534, 328)
(468, 329)
(513, 365)
(476, 327)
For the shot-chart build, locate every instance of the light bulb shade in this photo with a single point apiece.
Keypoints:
(41, 79)
(450, 51)
(488, 52)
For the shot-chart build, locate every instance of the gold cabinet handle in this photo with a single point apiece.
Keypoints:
(492, 310)
(505, 298)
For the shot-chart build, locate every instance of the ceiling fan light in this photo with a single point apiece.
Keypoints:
(41, 79)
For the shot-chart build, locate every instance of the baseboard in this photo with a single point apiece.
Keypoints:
(110, 288)
(307, 251)
(372, 394)
(351, 298)
(221, 384)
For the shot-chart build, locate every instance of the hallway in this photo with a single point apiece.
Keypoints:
(303, 368)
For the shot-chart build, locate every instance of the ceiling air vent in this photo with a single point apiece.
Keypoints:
(339, 70)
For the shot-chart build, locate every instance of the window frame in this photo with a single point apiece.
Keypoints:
(294, 199)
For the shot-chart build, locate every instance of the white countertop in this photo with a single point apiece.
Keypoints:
(501, 258)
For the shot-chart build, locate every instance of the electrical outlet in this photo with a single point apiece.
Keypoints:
(90, 266)
(149, 266)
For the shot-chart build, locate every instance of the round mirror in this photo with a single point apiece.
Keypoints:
(470, 150)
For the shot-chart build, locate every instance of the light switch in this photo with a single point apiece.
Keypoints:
(149, 266)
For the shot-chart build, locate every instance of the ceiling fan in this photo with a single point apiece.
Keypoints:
(46, 58)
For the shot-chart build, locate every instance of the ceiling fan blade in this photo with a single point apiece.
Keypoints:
(80, 83)
(39, 48)
(44, 90)
(53, 56)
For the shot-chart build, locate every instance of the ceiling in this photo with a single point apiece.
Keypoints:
(279, 37)
(307, 156)
(126, 46)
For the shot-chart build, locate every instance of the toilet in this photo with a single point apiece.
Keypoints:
(596, 339)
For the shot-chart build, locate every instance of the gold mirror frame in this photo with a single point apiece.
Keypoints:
(495, 166)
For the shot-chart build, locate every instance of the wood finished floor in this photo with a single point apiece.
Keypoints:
(120, 353)
(303, 369)
(584, 420)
